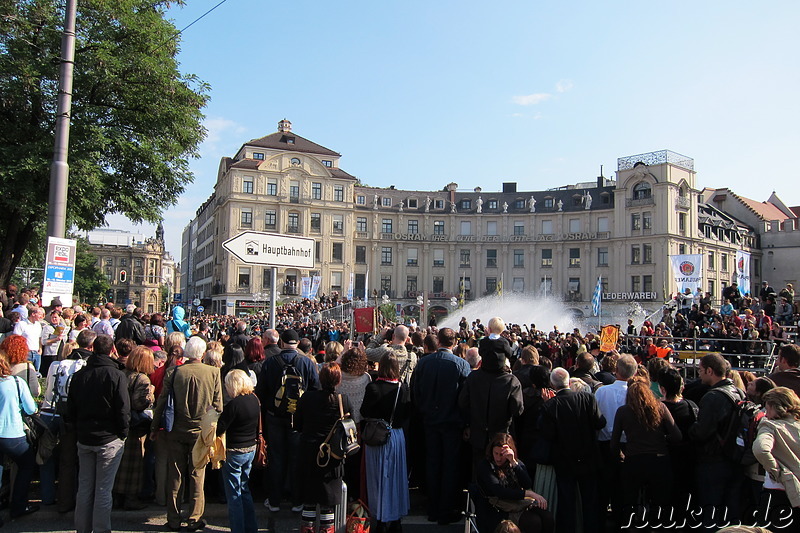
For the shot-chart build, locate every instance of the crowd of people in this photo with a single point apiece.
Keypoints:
(544, 430)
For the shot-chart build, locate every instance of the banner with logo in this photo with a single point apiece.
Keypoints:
(315, 281)
(352, 286)
(609, 336)
(743, 271)
(305, 287)
(688, 271)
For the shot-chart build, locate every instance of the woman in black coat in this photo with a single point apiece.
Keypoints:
(317, 412)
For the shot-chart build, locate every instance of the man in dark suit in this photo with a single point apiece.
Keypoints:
(435, 386)
(569, 423)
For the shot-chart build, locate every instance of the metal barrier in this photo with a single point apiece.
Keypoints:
(757, 356)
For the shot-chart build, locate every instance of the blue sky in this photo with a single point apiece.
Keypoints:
(417, 94)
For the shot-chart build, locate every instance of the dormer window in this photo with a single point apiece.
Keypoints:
(386, 202)
(412, 203)
(258, 155)
(466, 204)
(492, 204)
(289, 140)
(328, 164)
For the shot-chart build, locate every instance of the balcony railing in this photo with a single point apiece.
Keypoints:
(683, 202)
(637, 202)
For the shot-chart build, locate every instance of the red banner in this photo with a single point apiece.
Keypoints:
(609, 336)
(364, 319)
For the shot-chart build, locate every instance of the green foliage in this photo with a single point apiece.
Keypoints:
(90, 282)
(135, 118)
(388, 311)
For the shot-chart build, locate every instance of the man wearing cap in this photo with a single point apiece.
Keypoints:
(733, 294)
(282, 440)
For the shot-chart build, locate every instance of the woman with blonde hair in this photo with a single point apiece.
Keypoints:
(213, 355)
(650, 429)
(777, 449)
(239, 422)
(128, 482)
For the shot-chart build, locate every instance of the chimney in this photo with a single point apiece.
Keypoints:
(510, 187)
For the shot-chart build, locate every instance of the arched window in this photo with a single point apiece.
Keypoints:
(641, 191)
(682, 191)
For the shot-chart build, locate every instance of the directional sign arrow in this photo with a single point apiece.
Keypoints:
(259, 248)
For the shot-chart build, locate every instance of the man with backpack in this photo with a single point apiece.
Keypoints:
(284, 378)
(130, 325)
(719, 474)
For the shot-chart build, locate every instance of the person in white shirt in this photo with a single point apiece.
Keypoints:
(54, 333)
(31, 329)
(609, 399)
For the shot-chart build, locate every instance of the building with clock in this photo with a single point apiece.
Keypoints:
(555, 242)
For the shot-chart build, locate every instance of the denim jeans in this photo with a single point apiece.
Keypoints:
(98, 468)
(24, 457)
(35, 358)
(719, 484)
(236, 479)
(282, 445)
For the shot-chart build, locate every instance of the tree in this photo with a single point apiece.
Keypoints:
(90, 282)
(135, 118)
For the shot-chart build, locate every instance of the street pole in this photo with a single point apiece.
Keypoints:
(59, 172)
(274, 285)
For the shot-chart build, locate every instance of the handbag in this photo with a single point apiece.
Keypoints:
(376, 431)
(342, 439)
(510, 506)
(358, 519)
(260, 458)
(33, 425)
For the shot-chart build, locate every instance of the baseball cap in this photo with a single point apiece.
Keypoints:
(290, 336)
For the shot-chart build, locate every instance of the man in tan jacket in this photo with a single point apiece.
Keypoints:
(196, 388)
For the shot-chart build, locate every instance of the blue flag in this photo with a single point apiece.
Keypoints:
(596, 297)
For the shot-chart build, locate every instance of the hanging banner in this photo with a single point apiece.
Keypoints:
(743, 271)
(609, 336)
(305, 287)
(364, 320)
(352, 286)
(688, 271)
(315, 281)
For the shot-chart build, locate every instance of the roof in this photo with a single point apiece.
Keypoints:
(247, 164)
(281, 141)
(764, 210)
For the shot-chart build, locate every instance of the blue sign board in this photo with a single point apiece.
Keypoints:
(178, 297)
(200, 308)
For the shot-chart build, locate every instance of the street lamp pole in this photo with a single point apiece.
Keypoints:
(59, 172)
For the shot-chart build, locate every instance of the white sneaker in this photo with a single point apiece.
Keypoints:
(272, 508)
(297, 508)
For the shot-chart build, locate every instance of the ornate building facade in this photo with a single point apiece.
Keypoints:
(401, 243)
(138, 269)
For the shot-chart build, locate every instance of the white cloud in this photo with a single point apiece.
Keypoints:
(563, 86)
(531, 99)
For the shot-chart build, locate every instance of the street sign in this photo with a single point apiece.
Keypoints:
(200, 309)
(196, 302)
(59, 270)
(178, 297)
(259, 248)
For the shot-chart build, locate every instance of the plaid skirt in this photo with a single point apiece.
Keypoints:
(131, 469)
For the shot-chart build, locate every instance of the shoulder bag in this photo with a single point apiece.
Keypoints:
(376, 431)
(33, 425)
(260, 458)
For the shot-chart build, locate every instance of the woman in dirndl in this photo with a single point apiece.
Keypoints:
(387, 478)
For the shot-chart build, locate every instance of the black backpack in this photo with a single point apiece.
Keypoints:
(342, 439)
(290, 390)
(739, 433)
